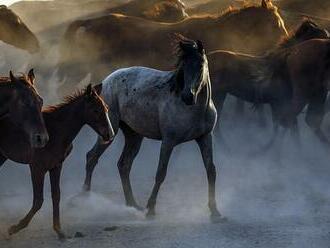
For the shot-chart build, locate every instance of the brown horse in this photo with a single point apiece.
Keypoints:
(305, 31)
(20, 104)
(288, 78)
(44, 16)
(63, 123)
(14, 32)
(156, 10)
(105, 43)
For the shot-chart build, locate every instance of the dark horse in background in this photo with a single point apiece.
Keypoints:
(171, 106)
(63, 123)
(14, 32)
(102, 44)
(20, 105)
(287, 78)
(305, 31)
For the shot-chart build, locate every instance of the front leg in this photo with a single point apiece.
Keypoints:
(205, 145)
(165, 153)
(38, 177)
(54, 176)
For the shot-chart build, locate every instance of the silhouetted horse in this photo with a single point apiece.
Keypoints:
(20, 105)
(101, 44)
(171, 106)
(63, 123)
(14, 32)
(288, 79)
(237, 82)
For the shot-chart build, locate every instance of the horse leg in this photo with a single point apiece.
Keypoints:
(239, 107)
(54, 176)
(315, 114)
(295, 133)
(205, 146)
(38, 177)
(92, 159)
(262, 116)
(165, 154)
(132, 146)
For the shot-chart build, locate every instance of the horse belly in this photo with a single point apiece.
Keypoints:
(142, 118)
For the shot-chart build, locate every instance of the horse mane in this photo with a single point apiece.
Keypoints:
(66, 101)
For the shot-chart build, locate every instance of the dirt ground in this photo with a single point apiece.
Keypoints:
(277, 199)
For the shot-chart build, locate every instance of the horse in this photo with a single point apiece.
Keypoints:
(20, 104)
(171, 106)
(91, 44)
(14, 32)
(288, 79)
(305, 31)
(50, 16)
(155, 10)
(63, 122)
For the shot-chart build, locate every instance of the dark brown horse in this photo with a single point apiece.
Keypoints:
(288, 78)
(14, 32)
(106, 43)
(20, 104)
(305, 31)
(63, 123)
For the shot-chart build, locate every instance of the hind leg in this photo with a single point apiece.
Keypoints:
(315, 114)
(92, 159)
(38, 177)
(165, 154)
(132, 146)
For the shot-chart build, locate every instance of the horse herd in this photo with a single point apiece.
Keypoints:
(174, 106)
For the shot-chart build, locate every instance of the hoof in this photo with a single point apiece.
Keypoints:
(61, 236)
(86, 188)
(13, 229)
(218, 218)
(151, 214)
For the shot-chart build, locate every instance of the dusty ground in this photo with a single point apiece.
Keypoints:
(278, 199)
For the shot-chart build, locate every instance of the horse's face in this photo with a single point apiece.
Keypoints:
(96, 115)
(25, 110)
(194, 71)
(309, 30)
(15, 32)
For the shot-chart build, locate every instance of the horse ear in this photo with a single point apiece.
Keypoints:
(31, 76)
(12, 77)
(200, 47)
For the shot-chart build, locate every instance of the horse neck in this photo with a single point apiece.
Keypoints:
(232, 74)
(69, 119)
(5, 92)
